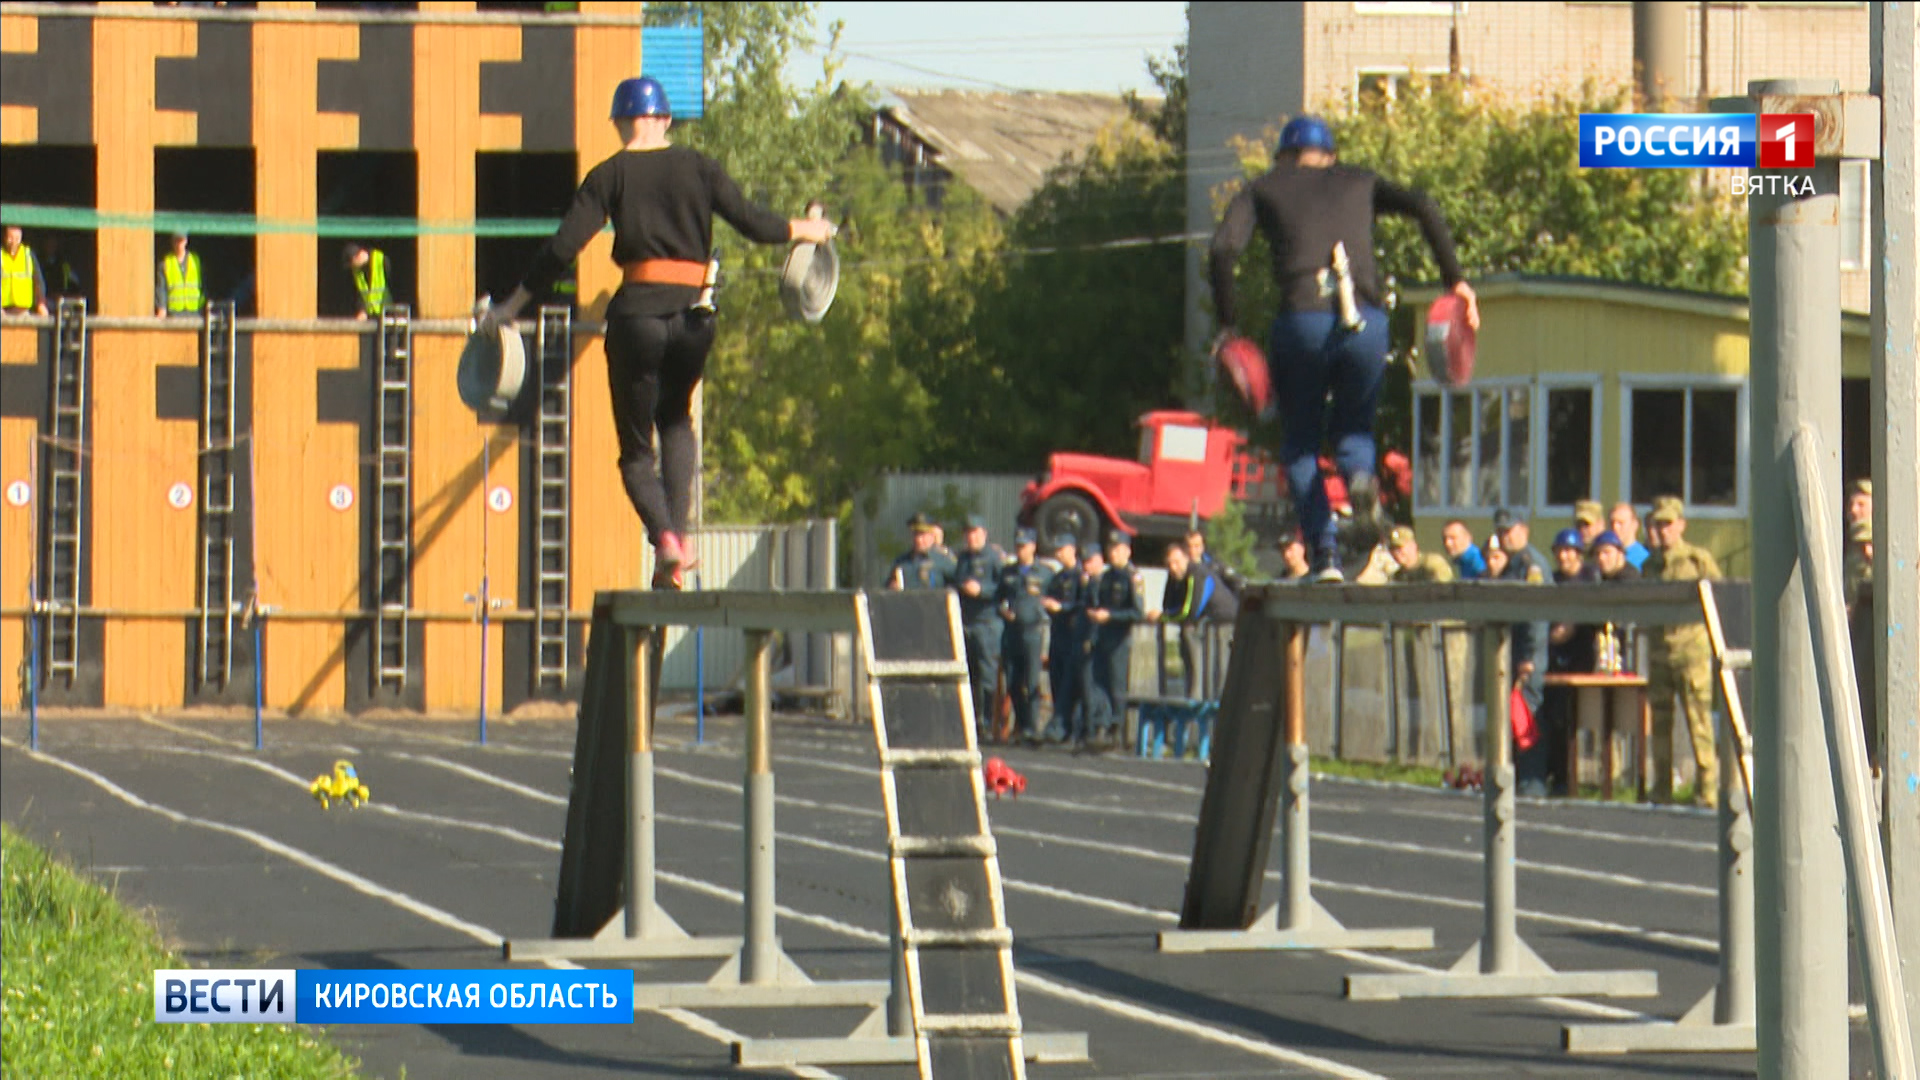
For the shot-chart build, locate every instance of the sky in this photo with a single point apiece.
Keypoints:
(1099, 47)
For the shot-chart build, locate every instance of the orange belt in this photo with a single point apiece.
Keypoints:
(665, 272)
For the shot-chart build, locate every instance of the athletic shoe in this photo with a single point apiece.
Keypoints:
(667, 576)
(1363, 491)
(1326, 566)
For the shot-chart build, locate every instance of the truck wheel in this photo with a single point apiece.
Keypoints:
(1069, 512)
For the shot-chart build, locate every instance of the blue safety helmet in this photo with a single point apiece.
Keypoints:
(1569, 538)
(1306, 133)
(643, 96)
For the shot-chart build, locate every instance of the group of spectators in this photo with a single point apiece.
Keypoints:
(1072, 614)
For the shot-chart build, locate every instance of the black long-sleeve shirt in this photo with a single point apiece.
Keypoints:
(1303, 211)
(661, 203)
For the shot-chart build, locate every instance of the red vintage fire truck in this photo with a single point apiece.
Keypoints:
(1189, 466)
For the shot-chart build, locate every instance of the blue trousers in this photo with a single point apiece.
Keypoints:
(1065, 657)
(1312, 358)
(1020, 657)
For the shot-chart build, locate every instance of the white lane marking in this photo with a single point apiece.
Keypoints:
(697, 1024)
(206, 736)
(1579, 873)
(1324, 806)
(472, 773)
(1162, 915)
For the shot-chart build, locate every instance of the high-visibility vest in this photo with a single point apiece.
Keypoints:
(372, 283)
(183, 284)
(16, 279)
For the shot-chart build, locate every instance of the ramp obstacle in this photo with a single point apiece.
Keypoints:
(949, 1006)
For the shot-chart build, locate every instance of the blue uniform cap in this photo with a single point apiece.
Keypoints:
(1065, 540)
(1025, 536)
(975, 521)
(1119, 536)
(1306, 133)
(1569, 538)
(1608, 538)
(643, 96)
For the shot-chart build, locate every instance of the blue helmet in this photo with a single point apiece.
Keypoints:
(1569, 538)
(1306, 133)
(643, 96)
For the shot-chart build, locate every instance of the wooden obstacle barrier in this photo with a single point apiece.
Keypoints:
(950, 1005)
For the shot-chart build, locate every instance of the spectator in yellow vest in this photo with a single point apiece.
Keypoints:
(176, 288)
(22, 288)
(369, 269)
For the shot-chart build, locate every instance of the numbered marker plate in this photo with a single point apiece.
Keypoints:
(19, 493)
(180, 495)
(500, 500)
(341, 497)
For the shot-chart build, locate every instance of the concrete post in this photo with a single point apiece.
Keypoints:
(1500, 941)
(1296, 904)
(1895, 32)
(1659, 54)
(1801, 937)
(760, 961)
(1733, 994)
(640, 813)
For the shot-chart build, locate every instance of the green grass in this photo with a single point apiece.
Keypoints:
(76, 992)
(1424, 775)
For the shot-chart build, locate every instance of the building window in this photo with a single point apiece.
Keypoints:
(1856, 216)
(1686, 440)
(1472, 446)
(1568, 436)
(1378, 86)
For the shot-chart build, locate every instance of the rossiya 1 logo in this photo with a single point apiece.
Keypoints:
(1769, 141)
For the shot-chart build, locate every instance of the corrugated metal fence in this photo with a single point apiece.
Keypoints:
(880, 515)
(799, 557)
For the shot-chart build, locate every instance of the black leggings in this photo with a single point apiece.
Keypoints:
(653, 365)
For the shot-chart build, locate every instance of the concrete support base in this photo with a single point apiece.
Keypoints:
(1320, 931)
(1695, 1032)
(789, 988)
(1530, 977)
(663, 939)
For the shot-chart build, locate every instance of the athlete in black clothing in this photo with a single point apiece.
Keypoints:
(661, 199)
(1305, 207)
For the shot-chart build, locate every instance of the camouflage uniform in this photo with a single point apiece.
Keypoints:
(1438, 568)
(1682, 664)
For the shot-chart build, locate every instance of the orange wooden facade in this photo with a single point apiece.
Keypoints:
(142, 564)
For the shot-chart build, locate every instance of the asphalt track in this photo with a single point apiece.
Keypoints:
(460, 849)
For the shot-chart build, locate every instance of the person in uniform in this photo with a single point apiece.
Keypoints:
(1116, 606)
(1061, 601)
(1858, 563)
(177, 288)
(1625, 523)
(23, 288)
(1092, 713)
(1020, 595)
(368, 267)
(919, 568)
(1590, 519)
(1411, 566)
(976, 577)
(1317, 217)
(1682, 659)
(661, 199)
(1524, 561)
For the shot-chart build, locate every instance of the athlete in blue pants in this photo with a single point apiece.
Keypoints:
(1330, 337)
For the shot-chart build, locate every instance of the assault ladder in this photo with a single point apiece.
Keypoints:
(553, 468)
(67, 449)
(218, 441)
(393, 507)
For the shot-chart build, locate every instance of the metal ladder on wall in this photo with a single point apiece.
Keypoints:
(66, 489)
(553, 471)
(393, 506)
(218, 441)
(956, 949)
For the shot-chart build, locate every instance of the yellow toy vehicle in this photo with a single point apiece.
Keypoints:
(344, 785)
